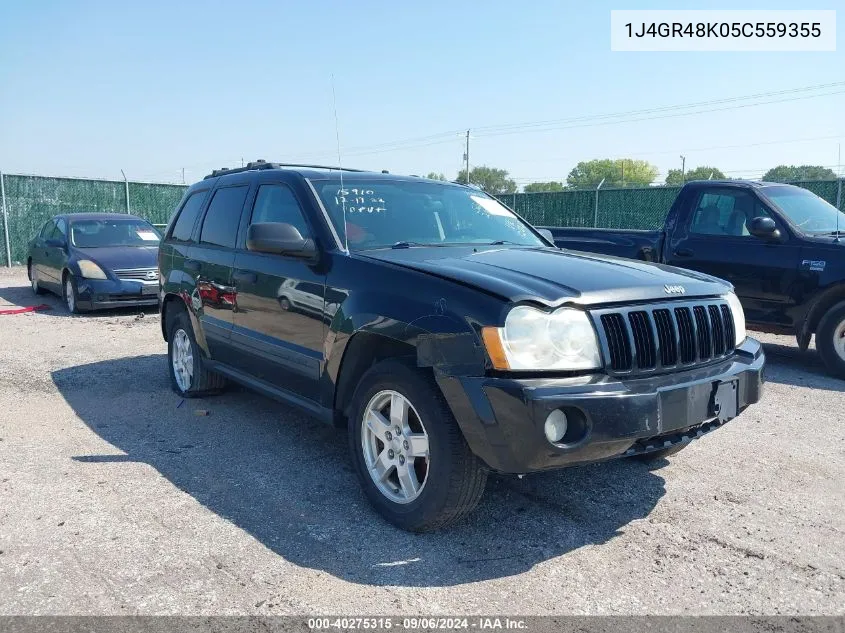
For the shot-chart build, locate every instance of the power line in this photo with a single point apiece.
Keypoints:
(662, 108)
(654, 118)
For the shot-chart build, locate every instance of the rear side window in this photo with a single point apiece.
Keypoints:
(276, 203)
(220, 226)
(187, 218)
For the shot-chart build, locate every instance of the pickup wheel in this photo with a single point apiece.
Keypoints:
(410, 456)
(188, 375)
(830, 340)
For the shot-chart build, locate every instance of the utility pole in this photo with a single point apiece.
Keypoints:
(683, 168)
(466, 157)
(183, 175)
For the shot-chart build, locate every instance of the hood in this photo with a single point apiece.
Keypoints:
(118, 257)
(552, 276)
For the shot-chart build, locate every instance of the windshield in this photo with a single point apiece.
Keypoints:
(806, 210)
(384, 212)
(100, 233)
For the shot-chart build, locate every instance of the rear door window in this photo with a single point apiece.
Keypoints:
(184, 226)
(220, 226)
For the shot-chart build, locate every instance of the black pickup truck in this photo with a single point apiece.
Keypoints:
(779, 245)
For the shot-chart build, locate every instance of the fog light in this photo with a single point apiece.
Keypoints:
(555, 426)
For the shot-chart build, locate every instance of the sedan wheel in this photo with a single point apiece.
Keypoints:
(70, 297)
(183, 360)
(395, 446)
(33, 280)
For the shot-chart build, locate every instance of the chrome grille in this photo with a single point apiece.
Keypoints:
(677, 335)
(148, 275)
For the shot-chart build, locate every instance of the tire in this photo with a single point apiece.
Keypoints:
(830, 340)
(33, 279)
(70, 294)
(284, 304)
(451, 478)
(663, 453)
(194, 380)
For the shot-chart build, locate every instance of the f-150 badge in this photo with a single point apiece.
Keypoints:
(814, 264)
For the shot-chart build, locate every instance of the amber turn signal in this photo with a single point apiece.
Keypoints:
(495, 349)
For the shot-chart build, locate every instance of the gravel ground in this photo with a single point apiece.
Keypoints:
(115, 498)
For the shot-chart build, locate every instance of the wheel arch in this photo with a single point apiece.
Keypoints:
(363, 350)
(828, 299)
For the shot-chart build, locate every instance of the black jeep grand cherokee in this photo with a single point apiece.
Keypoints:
(442, 331)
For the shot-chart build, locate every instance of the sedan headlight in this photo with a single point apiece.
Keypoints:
(739, 317)
(90, 270)
(536, 340)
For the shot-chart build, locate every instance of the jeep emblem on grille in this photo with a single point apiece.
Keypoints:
(674, 290)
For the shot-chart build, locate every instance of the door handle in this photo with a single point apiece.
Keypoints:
(684, 252)
(192, 265)
(244, 277)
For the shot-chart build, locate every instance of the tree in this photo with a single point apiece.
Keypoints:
(493, 181)
(675, 177)
(432, 175)
(535, 187)
(615, 173)
(786, 173)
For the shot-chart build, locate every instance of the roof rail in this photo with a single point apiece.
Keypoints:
(263, 164)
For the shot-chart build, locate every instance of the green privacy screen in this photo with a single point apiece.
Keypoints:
(32, 200)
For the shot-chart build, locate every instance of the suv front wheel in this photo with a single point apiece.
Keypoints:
(410, 456)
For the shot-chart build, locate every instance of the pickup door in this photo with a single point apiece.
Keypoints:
(711, 235)
(633, 244)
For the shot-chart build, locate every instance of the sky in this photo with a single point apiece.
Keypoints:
(157, 87)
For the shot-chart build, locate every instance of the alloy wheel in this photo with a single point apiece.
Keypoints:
(182, 360)
(839, 340)
(395, 445)
(70, 298)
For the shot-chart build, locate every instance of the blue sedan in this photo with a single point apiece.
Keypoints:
(96, 260)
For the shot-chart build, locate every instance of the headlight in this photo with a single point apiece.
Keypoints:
(90, 270)
(537, 340)
(739, 317)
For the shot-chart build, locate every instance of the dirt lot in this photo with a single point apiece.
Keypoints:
(114, 499)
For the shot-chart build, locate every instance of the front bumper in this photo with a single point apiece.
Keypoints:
(502, 418)
(101, 294)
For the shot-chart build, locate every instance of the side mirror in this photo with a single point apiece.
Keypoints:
(279, 238)
(547, 234)
(56, 243)
(764, 228)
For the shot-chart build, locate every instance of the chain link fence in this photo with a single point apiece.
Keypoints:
(29, 201)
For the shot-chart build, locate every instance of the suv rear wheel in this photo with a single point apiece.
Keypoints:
(410, 456)
(188, 374)
(830, 340)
